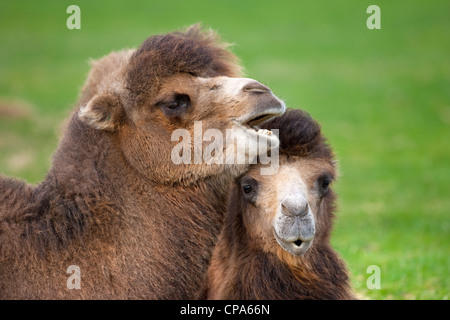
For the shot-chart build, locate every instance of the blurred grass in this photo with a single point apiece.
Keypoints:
(382, 97)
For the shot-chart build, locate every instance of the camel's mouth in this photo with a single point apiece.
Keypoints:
(252, 124)
(257, 121)
(298, 247)
(258, 118)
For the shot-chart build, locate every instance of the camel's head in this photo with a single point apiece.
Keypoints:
(179, 108)
(292, 208)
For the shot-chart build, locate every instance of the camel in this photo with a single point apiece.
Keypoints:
(115, 217)
(275, 243)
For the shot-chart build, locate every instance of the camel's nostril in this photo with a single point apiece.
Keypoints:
(294, 209)
(256, 87)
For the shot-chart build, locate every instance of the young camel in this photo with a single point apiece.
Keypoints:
(275, 243)
(115, 210)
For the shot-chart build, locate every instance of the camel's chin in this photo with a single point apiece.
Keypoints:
(297, 247)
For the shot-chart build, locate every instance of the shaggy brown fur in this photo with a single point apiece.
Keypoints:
(248, 263)
(114, 204)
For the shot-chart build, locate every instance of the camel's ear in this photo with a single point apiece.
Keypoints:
(103, 112)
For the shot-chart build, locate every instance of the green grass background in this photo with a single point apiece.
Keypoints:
(381, 96)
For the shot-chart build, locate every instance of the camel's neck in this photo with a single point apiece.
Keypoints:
(82, 157)
(87, 158)
(91, 182)
(254, 274)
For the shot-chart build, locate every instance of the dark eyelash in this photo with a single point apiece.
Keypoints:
(175, 107)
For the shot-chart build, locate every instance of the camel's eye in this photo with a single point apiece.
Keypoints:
(247, 189)
(324, 184)
(177, 106)
(180, 101)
